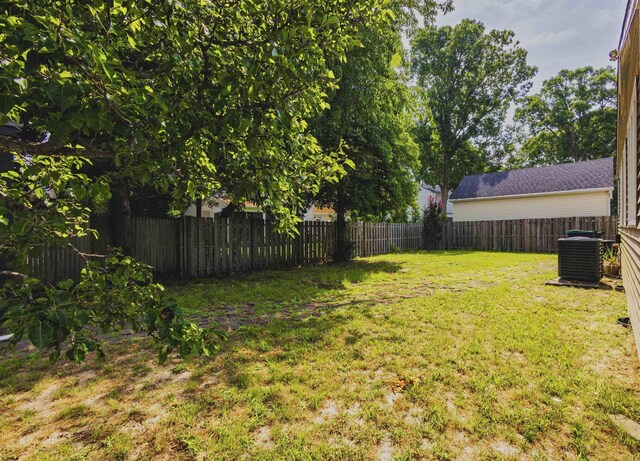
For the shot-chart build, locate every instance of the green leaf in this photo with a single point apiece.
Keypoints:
(40, 334)
(396, 61)
(333, 20)
(60, 95)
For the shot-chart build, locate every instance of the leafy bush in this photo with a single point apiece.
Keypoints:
(45, 203)
(112, 294)
(432, 222)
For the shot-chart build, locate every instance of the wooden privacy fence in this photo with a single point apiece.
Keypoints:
(210, 246)
(524, 235)
(192, 247)
(370, 239)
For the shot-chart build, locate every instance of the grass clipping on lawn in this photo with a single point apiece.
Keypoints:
(439, 355)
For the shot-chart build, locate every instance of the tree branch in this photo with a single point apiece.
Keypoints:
(35, 149)
(14, 274)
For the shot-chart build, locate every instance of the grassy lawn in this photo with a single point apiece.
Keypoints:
(458, 355)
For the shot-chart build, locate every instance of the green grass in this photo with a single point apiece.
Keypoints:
(486, 363)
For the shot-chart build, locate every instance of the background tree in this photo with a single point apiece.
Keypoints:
(469, 78)
(189, 97)
(572, 118)
(467, 159)
(369, 122)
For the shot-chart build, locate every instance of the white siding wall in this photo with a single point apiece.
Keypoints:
(423, 198)
(561, 205)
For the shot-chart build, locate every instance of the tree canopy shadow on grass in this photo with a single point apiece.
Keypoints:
(293, 312)
(275, 289)
(276, 307)
(451, 253)
(284, 344)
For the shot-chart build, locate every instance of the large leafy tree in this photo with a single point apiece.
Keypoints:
(202, 95)
(192, 98)
(572, 118)
(369, 122)
(468, 78)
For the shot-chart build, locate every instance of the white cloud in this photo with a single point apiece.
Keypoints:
(548, 38)
(558, 34)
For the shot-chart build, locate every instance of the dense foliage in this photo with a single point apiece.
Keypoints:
(192, 98)
(204, 96)
(468, 79)
(432, 218)
(44, 204)
(572, 118)
(369, 121)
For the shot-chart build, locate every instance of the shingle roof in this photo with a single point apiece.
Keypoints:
(430, 188)
(592, 174)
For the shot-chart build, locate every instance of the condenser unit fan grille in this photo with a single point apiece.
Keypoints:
(580, 258)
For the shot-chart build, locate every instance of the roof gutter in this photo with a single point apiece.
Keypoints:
(535, 194)
(626, 22)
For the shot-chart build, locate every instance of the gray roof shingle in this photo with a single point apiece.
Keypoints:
(591, 174)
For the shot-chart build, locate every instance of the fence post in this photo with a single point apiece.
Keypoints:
(388, 237)
(185, 248)
(253, 241)
(299, 242)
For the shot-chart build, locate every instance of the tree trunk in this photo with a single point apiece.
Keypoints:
(343, 250)
(228, 210)
(444, 191)
(444, 187)
(6, 162)
(121, 217)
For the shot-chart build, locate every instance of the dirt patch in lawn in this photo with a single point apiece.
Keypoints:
(263, 439)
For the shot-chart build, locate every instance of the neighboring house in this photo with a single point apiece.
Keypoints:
(427, 192)
(315, 213)
(216, 205)
(628, 56)
(557, 191)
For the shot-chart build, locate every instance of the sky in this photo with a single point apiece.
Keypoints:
(558, 34)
